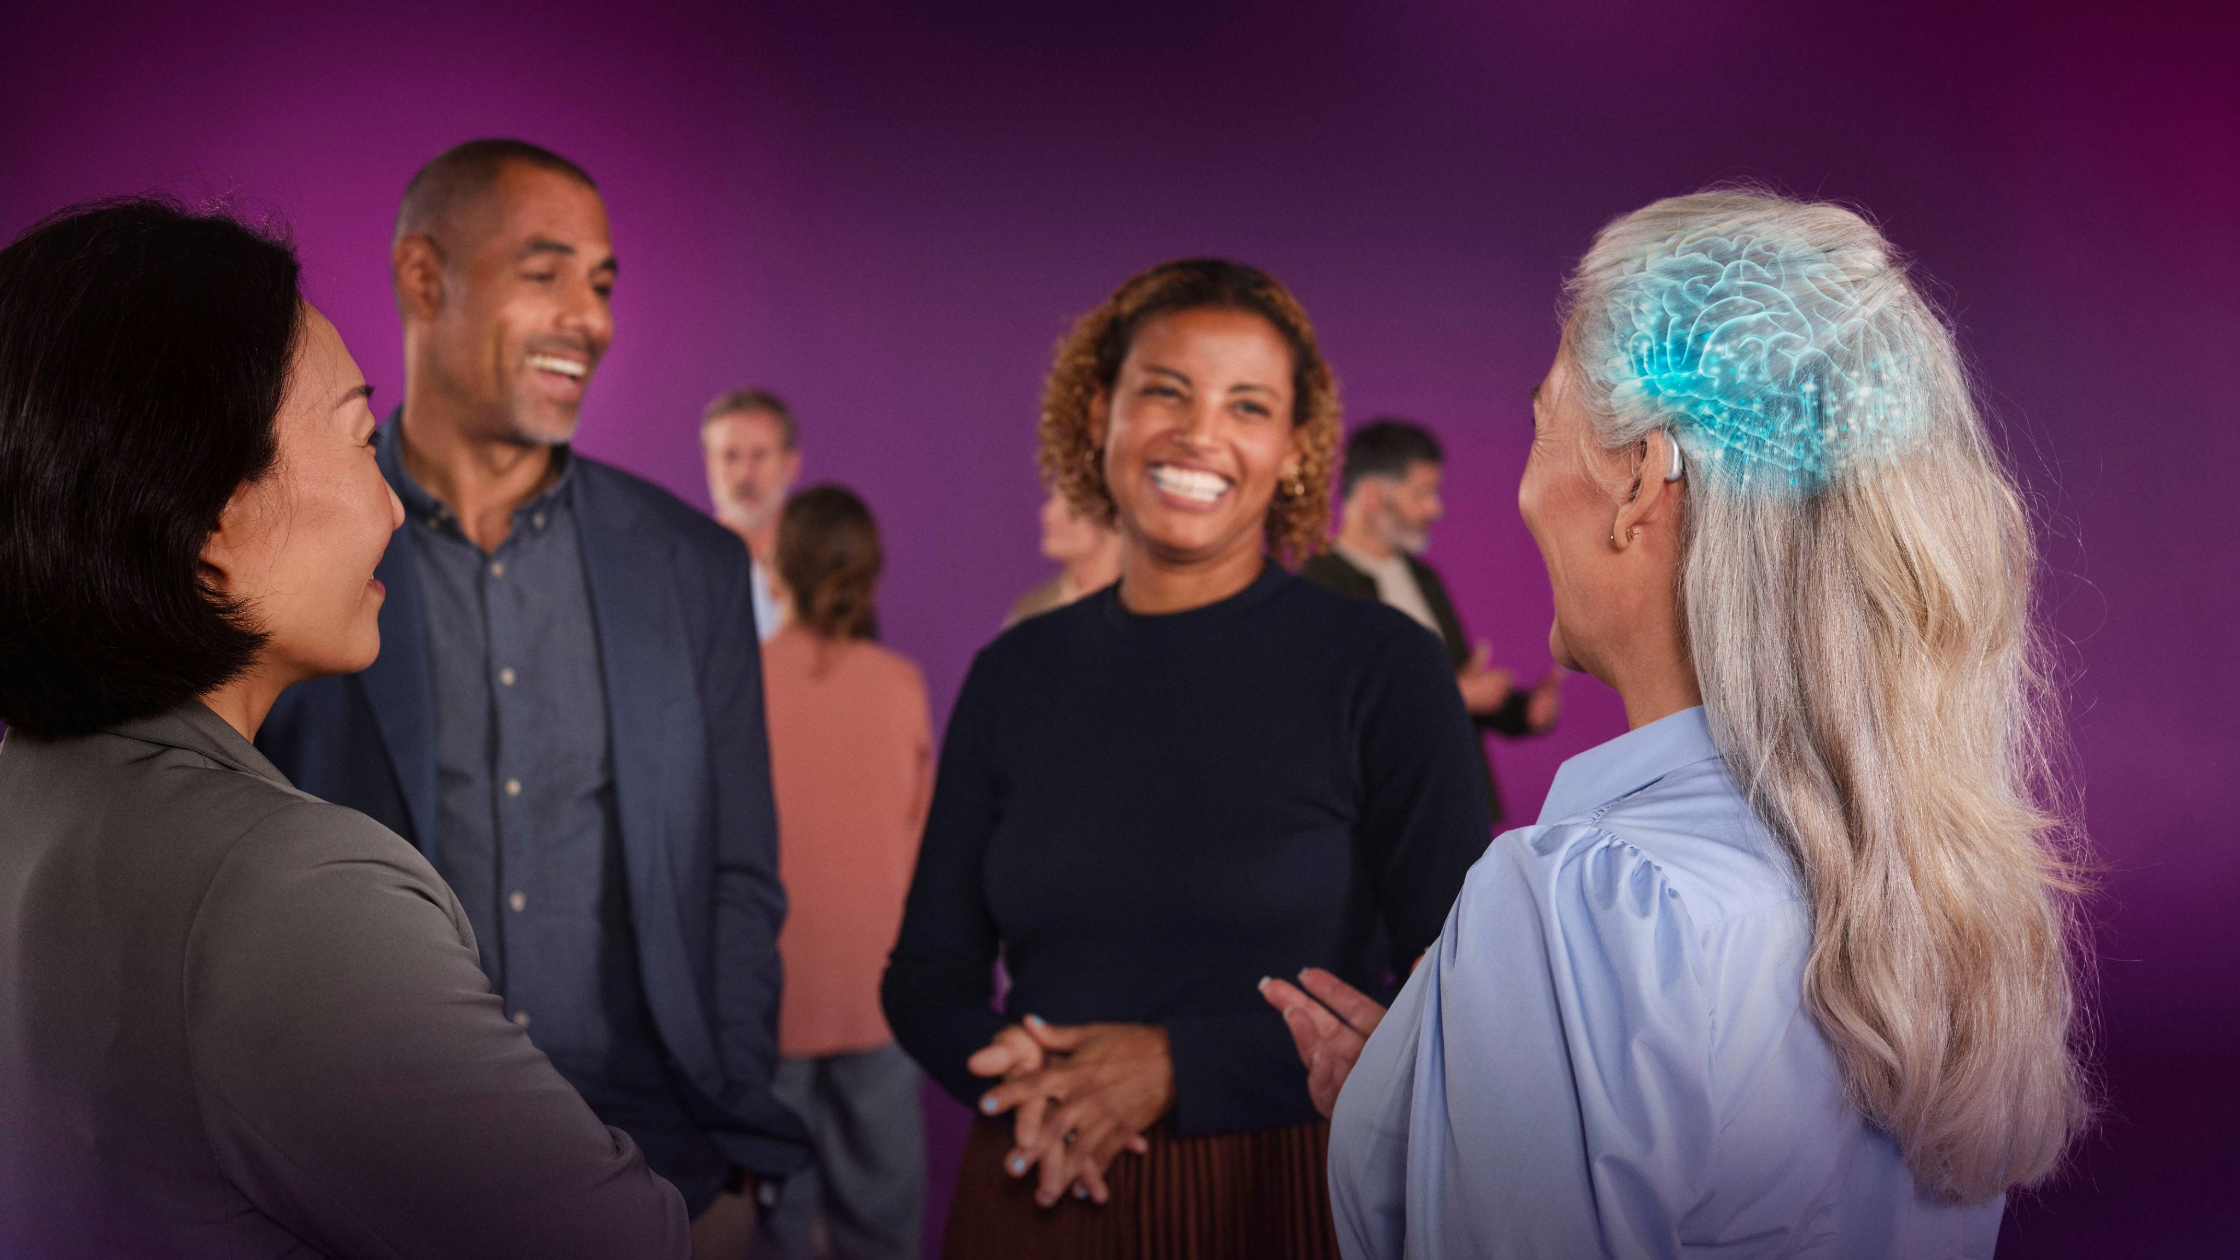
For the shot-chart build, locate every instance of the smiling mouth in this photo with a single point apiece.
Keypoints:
(573, 369)
(1191, 485)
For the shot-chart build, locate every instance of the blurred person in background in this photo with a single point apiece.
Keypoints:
(1209, 772)
(751, 446)
(566, 716)
(1087, 550)
(1389, 489)
(234, 1019)
(851, 757)
(1786, 968)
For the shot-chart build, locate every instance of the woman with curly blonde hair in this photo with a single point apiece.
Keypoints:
(1209, 772)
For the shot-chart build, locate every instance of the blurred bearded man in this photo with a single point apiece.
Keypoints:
(1390, 486)
(566, 715)
(748, 437)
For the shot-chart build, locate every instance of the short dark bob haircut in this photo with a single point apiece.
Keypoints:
(144, 353)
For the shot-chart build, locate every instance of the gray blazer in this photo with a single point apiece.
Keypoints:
(236, 1020)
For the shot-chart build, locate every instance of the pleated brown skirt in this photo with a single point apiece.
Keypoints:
(1231, 1196)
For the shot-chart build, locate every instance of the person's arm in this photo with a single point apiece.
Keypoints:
(750, 903)
(361, 1084)
(921, 753)
(941, 976)
(1425, 817)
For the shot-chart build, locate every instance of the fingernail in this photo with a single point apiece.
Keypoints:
(1017, 1164)
(1081, 1192)
(988, 1104)
(1263, 983)
(1044, 1198)
(1036, 1021)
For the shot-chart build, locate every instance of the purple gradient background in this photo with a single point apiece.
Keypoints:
(888, 212)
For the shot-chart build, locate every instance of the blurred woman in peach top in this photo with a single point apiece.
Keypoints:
(851, 757)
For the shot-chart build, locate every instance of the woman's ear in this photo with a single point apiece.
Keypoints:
(223, 551)
(1100, 417)
(1652, 500)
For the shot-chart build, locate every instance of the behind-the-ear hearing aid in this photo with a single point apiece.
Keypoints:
(1678, 469)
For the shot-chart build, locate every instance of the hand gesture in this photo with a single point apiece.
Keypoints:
(1329, 1028)
(1484, 690)
(1080, 1095)
(1546, 701)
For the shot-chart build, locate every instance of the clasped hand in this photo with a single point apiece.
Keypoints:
(1079, 1094)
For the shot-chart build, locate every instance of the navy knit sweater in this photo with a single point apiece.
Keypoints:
(1145, 814)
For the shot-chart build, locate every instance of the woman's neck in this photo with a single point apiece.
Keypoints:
(1151, 585)
(1655, 679)
(1098, 569)
(245, 702)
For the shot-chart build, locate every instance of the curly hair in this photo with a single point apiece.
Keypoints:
(1088, 362)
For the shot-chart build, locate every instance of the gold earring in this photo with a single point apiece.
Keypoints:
(1293, 485)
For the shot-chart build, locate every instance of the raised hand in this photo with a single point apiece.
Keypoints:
(1546, 701)
(1484, 690)
(1093, 1090)
(1328, 1028)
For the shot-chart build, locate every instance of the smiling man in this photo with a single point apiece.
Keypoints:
(1390, 491)
(566, 715)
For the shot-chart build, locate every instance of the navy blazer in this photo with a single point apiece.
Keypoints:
(675, 617)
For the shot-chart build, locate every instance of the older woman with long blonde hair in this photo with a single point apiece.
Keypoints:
(1786, 968)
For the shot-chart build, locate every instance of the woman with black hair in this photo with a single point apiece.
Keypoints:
(233, 1019)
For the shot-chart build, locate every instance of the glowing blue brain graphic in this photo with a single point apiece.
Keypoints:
(1763, 361)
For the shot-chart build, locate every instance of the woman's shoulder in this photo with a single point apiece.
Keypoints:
(888, 669)
(191, 822)
(795, 654)
(1352, 618)
(1687, 844)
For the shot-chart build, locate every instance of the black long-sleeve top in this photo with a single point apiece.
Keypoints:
(1147, 814)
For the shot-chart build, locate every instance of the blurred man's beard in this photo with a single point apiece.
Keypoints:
(1403, 539)
(746, 514)
(533, 429)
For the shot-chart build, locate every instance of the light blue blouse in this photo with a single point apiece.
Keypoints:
(1606, 1053)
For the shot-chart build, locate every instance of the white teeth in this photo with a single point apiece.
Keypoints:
(565, 367)
(1189, 483)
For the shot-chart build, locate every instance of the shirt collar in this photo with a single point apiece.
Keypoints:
(423, 506)
(1628, 763)
(193, 727)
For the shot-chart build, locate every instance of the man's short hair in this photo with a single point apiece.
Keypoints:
(462, 173)
(751, 402)
(1387, 447)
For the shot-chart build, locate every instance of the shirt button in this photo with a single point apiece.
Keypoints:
(505, 676)
(497, 568)
(519, 901)
(521, 1018)
(537, 520)
(513, 787)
